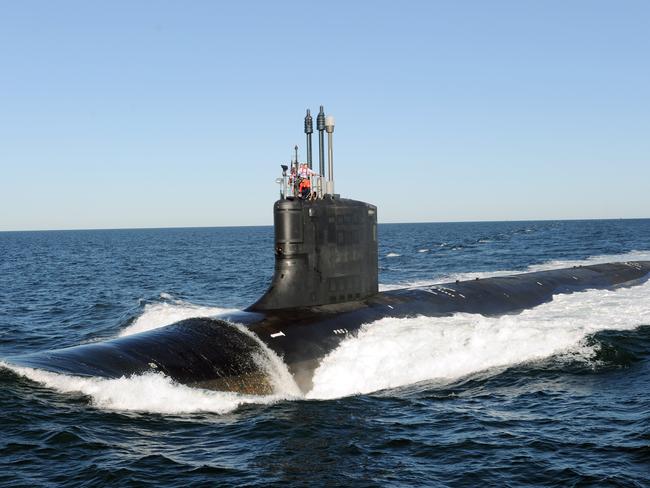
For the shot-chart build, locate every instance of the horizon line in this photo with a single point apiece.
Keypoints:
(81, 229)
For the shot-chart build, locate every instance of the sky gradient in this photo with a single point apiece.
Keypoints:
(163, 114)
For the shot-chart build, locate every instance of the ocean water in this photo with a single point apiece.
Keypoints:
(558, 395)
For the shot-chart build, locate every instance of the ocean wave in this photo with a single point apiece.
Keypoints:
(157, 315)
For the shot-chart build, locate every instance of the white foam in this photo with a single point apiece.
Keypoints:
(280, 378)
(157, 315)
(393, 255)
(394, 352)
(423, 250)
(146, 393)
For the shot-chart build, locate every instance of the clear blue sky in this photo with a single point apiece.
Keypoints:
(159, 113)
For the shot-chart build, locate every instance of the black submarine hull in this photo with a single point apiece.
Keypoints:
(215, 353)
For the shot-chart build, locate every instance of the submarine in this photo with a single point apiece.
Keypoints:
(323, 290)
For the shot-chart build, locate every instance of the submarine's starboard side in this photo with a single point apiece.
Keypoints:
(214, 353)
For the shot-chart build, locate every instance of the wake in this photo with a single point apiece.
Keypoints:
(395, 352)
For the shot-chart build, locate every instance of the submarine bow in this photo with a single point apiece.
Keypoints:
(202, 352)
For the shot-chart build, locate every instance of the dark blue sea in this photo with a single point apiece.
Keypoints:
(555, 396)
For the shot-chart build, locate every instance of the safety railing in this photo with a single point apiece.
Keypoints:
(292, 186)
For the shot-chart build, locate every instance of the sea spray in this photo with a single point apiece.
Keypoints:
(151, 393)
(394, 352)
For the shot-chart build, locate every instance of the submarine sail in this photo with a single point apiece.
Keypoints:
(325, 253)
